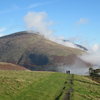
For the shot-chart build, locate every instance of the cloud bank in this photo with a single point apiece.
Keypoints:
(93, 55)
(39, 22)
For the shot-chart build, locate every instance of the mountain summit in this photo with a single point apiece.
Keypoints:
(35, 52)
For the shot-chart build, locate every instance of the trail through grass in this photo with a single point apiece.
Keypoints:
(26, 85)
(32, 85)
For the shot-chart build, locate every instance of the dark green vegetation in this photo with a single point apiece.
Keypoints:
(31, 50)
(95, 74)
(28, 85)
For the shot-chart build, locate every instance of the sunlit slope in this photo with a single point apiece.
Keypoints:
(32, 49)
(86, 89)
(10, 66)
(28, 85)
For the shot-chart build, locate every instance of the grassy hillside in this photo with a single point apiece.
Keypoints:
(24, 85)
(31, 50)
(9, 66)
(28, 85)
(86, 89)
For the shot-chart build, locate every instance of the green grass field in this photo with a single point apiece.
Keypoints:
(28, 85)
(86, 89)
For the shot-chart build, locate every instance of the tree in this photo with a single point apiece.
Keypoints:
(91, 71)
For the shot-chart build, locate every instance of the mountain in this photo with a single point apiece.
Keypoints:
(35, 52)
(75, 45)
(82, 47)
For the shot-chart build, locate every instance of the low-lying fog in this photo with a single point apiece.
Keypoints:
(38, 22)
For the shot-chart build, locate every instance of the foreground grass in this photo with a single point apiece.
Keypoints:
(28, 85)
(86, 89)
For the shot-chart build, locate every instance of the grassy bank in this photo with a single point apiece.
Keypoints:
(86, 89)
(28, 85)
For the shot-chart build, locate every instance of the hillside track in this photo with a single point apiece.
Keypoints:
(67, 90)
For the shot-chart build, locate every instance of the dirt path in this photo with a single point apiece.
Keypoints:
(68, 93)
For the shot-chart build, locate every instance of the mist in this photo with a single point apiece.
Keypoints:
(39, 22)
(78, 67)
(79, 70)
(92, 56)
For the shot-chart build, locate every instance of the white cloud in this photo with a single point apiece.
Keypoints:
(34, 5)
(1, 31)
(16, 7)
(93, 55)
(1, 34)
(82, 21)
(96, 47)
(38, 4)
(38, 21)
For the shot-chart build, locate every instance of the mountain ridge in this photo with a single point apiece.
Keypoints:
(31, 50)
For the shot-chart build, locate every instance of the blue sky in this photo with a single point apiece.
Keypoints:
(74, 19)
